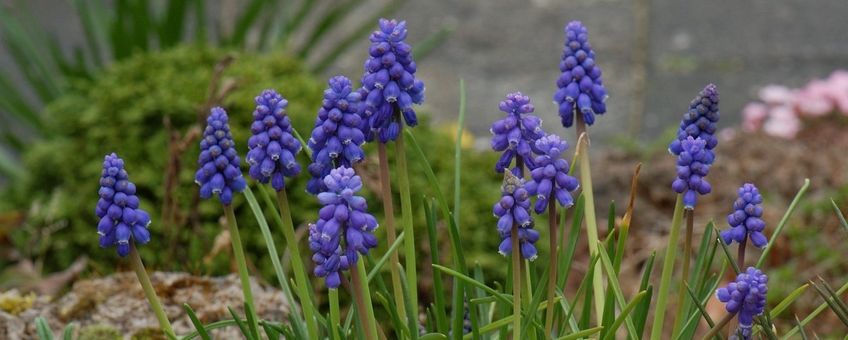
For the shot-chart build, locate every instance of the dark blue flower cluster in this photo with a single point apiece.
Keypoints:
(516, 134)
(344, 214)
(699, 121)
(389, 82)
(550, 175)
(272, 146)
(580, 84)
(514, 209)
(746, 296)
(218, 164)
(120, 218)
(337, 137)
(745, 221)
(693, 164)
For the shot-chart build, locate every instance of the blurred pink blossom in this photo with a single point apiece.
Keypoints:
(781, 110)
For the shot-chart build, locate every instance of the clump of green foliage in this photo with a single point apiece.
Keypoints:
(124, 110)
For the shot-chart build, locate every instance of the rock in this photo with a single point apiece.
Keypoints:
(116, 303)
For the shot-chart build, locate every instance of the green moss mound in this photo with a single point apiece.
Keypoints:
(124, 110)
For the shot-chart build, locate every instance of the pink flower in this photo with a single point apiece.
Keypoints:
(776, 94)
(753, 116)
(782, 123)
(814, 99)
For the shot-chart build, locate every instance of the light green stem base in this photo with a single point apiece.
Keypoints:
(516, 285)
(297, 265)
(335, 316)
(362, 298)
(591, 224)
(150, 293)
(406, 217)
(238, 252)
(389, 222)
(668, 268)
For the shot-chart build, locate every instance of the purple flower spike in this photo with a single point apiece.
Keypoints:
(581, 89)
(344, 214)
(700, 121)
(120, 219)
(218, 169)
(693, 164)
(746, 296)
(514, 208)
(389, 86)
(272, 146)
(516, 134)
(337, 137)
(746, 219)
(550, 176)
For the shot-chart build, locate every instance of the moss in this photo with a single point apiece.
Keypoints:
(99, 332)
(15, 303)
(123, 110)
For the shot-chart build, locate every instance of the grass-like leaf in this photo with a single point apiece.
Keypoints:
(616, 289)
(624, 315)
(812, 315)
(432, 237)
(462, 277)
(43, 329)
(782, 223)
(242, 324)
(839, 214)
(385, 258)
(788, 300)
(196, 322)
(581, 334)
(325, 24)
(830, 299)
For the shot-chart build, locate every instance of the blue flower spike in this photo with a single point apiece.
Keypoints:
(745, 296)
(337, 137)
(516, 133)
(549, 179)
(344, 214)
(746, 219)
(389, 85)
(693, 164)
(699, 121)
(218, 170)
(580, 87)
(272, 146)
(121, 220)
(514, 208)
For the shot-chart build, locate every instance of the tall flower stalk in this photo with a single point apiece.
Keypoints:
(390, 89)
(219, 174)
(272, 154)
(581, 95)
(123, 224)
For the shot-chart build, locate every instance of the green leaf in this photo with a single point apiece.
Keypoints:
(326, 23)
(241, 324)
(616, 288)
(830, 300)
(432, 238)
(196, 322)
(839, 214)
(294, 22)
(43, 329)
(502, 297)
(68, 332)
(433, 336)
(246, 21)
(171, 27)
(783, 221)
(251, 321)
(429, 44)
(788, 300)
(812, 315)
(380, 263)
(625, 314)
(93, 17)
(581, 334)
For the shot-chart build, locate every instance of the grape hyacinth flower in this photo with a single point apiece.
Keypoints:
(516, 134)
(121, 220)
(699, 121)
(745, 221)
(389, 85)
(272, 146)
(514, 208)
(746, 296)
(218, 164)
(344, 215)
(581, 89)
(337, 137)
(693, 164)
(550, 176)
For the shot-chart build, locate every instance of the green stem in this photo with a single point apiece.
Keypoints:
(591, 222)
(335, 317)
(516, 284)
(389, 222)
(552, 266)
(297, 265)
(689, 214)
(406, 216)
(149, 292)
(238, 251)
(362, 299)
(668, 268)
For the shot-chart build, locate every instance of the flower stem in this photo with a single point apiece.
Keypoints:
(406, 216)
(516, 284)
(389, 211)
(335, 317)
(689, 214)
(552, 266)
(303, 293)
(149, 292)
(238, 251)
(362, 299)
(668, 268)
(740, 255)
(591, 222)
